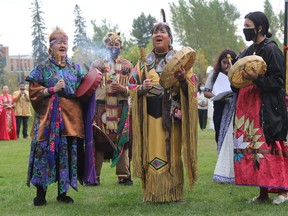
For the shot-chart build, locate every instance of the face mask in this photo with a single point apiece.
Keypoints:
(249, 33)
(114, 52)
(202, 88)
(22, 89)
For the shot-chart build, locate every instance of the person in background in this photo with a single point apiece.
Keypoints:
(58, 152)
(202, 106)
(22, 109)
(7, 116)
(260, 128)
(164, 121)
(112, 110)
(222, 66)
(224, 109)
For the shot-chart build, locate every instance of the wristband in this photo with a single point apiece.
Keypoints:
(51, 90)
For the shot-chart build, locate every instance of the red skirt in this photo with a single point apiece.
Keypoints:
(255, 162)
(8, 125)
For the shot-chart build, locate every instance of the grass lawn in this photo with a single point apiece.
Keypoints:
(206, 198)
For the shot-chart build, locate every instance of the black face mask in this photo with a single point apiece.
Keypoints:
(249, 33)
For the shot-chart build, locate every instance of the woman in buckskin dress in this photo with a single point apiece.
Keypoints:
(164, 123)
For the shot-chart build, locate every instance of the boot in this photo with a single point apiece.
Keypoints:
(64, 198)
(40, 200)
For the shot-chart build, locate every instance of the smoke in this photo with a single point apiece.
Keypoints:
(85, 55)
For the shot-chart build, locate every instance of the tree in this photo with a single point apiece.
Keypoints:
(2, 72)
(99, 33)
(101, 30)
(206, 25)
(82, 47)
(80, 36)
(129, 49)
(38, 43)
(142, 29)
(276, 23)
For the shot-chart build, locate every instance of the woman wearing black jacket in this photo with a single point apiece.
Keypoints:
(260, 126)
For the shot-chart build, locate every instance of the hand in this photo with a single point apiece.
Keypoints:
(59, 85)
(252, 75)
(99, 75)
(117, 88)
(180, 75)
(126, 68)
(147, 84)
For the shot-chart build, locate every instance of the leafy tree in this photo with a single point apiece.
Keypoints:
(97, 39)
(101, 31)
(129, 51)
(281, 24)
(200, 65)
(38, 43)
(275, 22)
(142, 29)
(206, 25)
(81, 43)
(2, 72)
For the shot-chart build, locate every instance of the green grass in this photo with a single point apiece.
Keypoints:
(206, 198)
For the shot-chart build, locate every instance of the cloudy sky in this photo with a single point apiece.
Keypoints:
(16, 16)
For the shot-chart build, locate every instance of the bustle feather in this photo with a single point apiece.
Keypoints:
(163, 16)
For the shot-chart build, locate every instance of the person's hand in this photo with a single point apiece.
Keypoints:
(250, 76)
(147, 84)
(126, 68)
(117, 88)
(99, 75)
(59, 85)
(180, 75)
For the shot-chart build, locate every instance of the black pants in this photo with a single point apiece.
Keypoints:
(217, 116)
(19, 120)
(202, 113)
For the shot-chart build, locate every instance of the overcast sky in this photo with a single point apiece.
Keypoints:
(16, 16)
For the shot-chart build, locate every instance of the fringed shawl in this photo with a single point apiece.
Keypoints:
(189, 131)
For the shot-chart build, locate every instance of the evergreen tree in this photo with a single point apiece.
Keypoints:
(38, 43)
(81, 44)
(142, 29)
(80, 36)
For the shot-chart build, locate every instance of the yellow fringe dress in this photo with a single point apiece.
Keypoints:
(160, 165)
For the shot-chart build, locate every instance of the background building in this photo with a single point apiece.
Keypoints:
(21, 65)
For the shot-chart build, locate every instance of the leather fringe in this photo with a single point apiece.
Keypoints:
(166, 186)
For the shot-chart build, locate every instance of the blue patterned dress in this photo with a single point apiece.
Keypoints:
(57, 147)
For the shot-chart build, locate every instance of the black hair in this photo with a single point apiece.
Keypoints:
(198, 87)
(162, 25)
(222, 55)
(260, 19)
